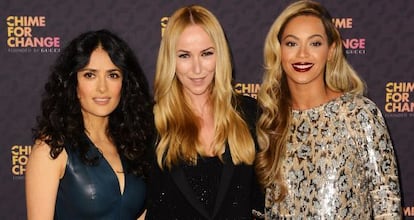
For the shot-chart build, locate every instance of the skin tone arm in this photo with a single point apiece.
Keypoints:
(42, 181)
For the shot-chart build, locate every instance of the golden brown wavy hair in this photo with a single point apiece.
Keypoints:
(177, 125)
(274, 95)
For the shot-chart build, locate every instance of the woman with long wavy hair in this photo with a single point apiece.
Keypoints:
(325, 152)
(91, 139)
(206, 147)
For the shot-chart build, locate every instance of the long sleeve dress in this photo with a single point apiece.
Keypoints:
(339, 164)
(210, 190)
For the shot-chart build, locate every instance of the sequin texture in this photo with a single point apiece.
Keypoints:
(205, 180)
(339, 164)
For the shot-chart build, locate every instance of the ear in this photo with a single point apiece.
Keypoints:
(331, 51)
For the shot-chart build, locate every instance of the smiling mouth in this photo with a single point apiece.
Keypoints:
(101, 100)
(302, 67)
(197, 80)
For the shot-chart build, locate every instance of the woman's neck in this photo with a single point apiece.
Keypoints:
(200, 105)
(96, 128)
(309, 98)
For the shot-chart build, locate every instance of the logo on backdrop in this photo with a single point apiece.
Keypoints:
(398, 101)
(247, 89)
(408, 211)
(353, 45)
(19, 158)
(22, 36)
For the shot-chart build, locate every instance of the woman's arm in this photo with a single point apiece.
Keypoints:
(383, 171)
(42, 180)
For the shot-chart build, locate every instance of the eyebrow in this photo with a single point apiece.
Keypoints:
(181, 50)
(95, 70)
(312, 36)
(209, 48)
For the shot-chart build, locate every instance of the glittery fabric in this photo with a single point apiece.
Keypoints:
(212, 189)
(340, 164)
(204, 179)
(209, 190)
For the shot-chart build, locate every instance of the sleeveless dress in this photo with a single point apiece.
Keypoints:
(92, 191)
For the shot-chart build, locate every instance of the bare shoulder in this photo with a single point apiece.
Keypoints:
(42, 180)
(41, 159)
(40, 148)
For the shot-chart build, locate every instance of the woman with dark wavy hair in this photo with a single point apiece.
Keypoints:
(88, 160)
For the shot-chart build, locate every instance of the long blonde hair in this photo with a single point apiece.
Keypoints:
(176, 124)
(274, 95)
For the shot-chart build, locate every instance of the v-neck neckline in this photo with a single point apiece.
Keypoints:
(109, 167)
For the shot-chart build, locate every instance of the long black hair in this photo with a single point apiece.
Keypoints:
(130, 124)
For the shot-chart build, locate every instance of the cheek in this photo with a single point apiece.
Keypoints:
(210, 65)
(82, 97)
(325, 57)
(321, 63)
(80, 91)
(285, 56)
(285, 63)
(115, 87)
(181, 68)
(179, 75)
(119, 89)
(85, 89)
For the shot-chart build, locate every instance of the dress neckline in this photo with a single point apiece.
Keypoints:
(323, 105)
(109, 167)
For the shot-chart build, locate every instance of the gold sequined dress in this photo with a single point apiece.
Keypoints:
(339, 164)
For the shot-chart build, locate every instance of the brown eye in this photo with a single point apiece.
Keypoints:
(114, 75)
(88, 75)
(290, 44)
(207, 53)
(316, 44)
(183, 55)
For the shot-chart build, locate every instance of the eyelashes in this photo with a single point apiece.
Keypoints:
(112, 75)
(293, 44)
(184, 55)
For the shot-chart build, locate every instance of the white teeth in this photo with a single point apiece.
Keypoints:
(302, 66)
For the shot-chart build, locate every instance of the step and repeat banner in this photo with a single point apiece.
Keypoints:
(377, 36)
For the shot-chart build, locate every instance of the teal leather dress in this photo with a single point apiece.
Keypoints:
(92, 191)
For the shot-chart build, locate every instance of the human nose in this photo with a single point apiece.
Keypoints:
(102, 85)
(303, 51)
(196, 65)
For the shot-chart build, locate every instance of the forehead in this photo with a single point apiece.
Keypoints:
(100, 60)
(304, 24)
(193, 35)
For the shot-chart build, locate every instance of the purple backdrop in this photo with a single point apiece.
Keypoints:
(377, 36)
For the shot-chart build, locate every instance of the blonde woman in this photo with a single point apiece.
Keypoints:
(325, 149)
(206, 148)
